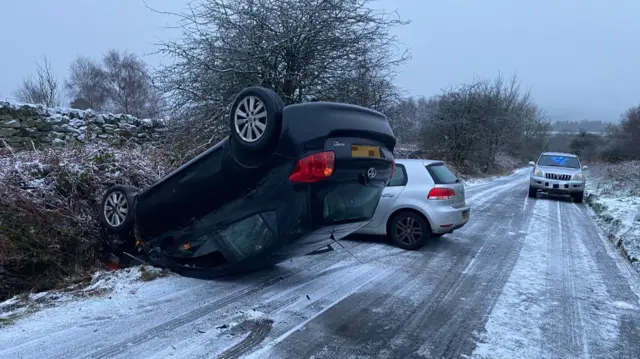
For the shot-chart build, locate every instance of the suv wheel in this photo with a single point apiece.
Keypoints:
(409, 230)
(533, 193)
(578, 197)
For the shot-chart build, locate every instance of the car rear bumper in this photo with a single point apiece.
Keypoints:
(448, 219)
(556, 186)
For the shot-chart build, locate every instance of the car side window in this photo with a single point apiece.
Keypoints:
(251, 235)
(400, 177)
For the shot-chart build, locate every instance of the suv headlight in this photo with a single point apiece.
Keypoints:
(578, 177)
(538, 173)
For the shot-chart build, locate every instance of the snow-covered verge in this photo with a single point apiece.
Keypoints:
(613, 191)
(49, 201)
(102, 283)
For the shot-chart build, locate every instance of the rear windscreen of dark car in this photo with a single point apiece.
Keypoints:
(441, 174)
(346, 202)
(250, 235)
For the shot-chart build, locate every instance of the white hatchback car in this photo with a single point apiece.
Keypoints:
(424, 199)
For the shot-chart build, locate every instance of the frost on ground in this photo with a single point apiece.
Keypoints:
(103, 283)
(474, 181)
(613, 191)
(49, 201)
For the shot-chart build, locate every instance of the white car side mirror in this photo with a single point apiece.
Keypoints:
(531, 163)
(585, 167)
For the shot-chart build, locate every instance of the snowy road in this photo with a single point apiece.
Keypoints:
(524, 279)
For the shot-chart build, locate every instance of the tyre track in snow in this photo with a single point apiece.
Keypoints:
(612, 320)
(558, 301)
(394, 319)
(145, 321)
(318, 297)
(564, 331)
(114, 350)
(302, 303)
(454, 324)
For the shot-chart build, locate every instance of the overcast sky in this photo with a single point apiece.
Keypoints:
(580, 58)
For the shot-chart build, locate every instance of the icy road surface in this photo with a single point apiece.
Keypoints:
(524, 279)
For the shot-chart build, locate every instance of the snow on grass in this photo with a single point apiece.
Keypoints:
(613, 191)
(102, 283)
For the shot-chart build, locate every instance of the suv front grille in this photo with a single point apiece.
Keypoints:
(556, 176)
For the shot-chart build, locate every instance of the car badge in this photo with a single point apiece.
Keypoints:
(337, 144)
(371, 173)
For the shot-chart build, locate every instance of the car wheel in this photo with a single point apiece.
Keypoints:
(256, 118)
(578, 197)
(409, 230)
(533, 193)
(117, 218)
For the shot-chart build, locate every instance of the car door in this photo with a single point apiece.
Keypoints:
(389, 196)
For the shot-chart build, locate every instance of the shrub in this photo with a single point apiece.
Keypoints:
(49, 203)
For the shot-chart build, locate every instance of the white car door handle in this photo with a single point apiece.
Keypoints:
(388, 195)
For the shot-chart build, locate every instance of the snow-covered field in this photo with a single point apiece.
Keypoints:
(613, 191)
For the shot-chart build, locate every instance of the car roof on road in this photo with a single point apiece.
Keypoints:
(559, 154)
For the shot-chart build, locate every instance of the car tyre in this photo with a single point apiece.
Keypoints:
(533, 193)
(117, 218)
(255, 120)
(409, 230)
(578, 197)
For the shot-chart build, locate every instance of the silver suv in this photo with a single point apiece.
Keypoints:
(557, 173)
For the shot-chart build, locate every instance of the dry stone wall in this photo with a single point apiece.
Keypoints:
(25, 126)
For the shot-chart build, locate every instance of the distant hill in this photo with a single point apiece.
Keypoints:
(578, 126)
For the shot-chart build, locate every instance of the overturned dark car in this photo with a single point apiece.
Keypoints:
(286, 182)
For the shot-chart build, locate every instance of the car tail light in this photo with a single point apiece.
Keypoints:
(314, 168)
(441, 193)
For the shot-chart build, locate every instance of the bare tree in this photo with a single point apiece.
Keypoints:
(42, 88)
(623, 140)
(129, 86)
(470, 125)
(339, 50)
(87, 84)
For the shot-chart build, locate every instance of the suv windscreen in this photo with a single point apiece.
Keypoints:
(559, 161)
(347, 202)
(441, 174)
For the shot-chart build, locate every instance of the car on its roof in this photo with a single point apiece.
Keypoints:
(424, 199)
(287, 181)
(557, 173)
